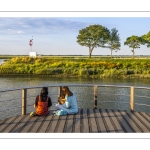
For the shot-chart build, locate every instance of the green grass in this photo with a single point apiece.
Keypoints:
(99, 67)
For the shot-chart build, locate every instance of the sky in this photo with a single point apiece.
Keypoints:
(58, 35)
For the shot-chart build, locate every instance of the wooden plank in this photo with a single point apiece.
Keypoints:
(146, 116)
(53, 124)
(136, 121)
(122, 122)
(37, 124)
(6, 123)
(144, 121)
(29, 124)
(77, 120)
(69, 124)
(99, 120)
(92, 122)
(44, 127)
(61, 124)
(86, 120)
(2, 123)
(85, 123)
(108, 122)
(130, 122)
(19, 127)
(116, 123)
(12, 125)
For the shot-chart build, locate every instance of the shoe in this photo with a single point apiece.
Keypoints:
(32, 114)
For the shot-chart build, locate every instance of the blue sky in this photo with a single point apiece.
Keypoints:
(57, 35)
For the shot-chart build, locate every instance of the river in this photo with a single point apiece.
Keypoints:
(21, 82)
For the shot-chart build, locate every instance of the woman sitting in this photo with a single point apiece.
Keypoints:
(42, 103)
(70, 103)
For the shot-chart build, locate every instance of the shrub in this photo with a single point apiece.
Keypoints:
(49, 71)
(130, 72)
(146, 72)
(107, 74)
(83, 72)
(92, 71)
(68, 71)
(100, 71)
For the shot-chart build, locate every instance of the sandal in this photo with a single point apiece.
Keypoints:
(32, 114)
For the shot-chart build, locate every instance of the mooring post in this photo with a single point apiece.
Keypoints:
(132, 98)
(24, 99)
(59, 91)
(95, 96)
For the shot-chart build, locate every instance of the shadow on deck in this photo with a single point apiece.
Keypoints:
(85, 121)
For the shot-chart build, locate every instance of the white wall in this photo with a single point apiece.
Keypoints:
(33, 54)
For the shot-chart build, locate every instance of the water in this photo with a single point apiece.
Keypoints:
(2, 61)
(85, 98)
(19, 82)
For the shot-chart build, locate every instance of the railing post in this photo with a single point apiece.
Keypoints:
(59, 91)
(95, 96)
(132, 98)
(24, 99)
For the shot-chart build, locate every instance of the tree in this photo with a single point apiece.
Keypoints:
(113, 42)
(146, 39)
(92, 37)
(133, 42)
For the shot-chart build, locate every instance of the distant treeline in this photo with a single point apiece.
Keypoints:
(75, 56)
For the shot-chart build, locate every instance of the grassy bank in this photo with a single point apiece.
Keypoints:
(77, 67)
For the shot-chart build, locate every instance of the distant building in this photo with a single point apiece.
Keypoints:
(33, 54)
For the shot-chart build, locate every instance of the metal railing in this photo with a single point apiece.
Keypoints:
(101, 96)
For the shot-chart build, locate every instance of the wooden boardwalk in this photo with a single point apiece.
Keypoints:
(85, 121)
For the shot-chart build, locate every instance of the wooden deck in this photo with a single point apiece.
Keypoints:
(85, 121)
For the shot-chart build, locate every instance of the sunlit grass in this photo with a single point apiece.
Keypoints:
(63, 66)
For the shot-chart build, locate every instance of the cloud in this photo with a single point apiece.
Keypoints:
(20, 32)
(39, 25)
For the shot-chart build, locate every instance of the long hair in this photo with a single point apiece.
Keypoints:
(44, 91)
(66, 90)
(43, 95)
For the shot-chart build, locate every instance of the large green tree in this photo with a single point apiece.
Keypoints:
(113, 42)
(146, 39)
(133, 42)
(92, 37)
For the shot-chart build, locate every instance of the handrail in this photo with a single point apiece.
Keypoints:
(131, 94)
(75, 85)
(71, 85)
